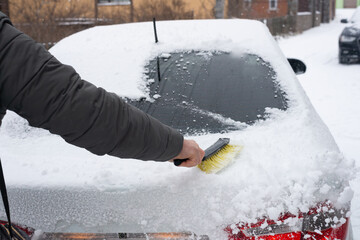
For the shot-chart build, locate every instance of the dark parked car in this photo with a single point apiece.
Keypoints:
(349, 44)
(349, 40)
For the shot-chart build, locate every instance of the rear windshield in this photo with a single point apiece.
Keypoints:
(197, 92)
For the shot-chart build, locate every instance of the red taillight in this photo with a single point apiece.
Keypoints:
(317, 224)
(29, 231)
(336, 233)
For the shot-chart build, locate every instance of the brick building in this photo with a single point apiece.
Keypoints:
(257, 9)
(272, 12)
(350, 3)
(283, 16)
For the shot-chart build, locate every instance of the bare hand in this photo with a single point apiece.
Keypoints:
(192, 152)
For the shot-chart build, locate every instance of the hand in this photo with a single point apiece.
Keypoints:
(192, 152)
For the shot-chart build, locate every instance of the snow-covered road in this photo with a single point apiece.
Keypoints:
(333, 89)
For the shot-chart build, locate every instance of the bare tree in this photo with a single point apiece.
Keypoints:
(207, 9)
(49, 21)
(116, 15)
(162, 10)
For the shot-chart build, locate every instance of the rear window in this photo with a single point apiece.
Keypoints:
(197, 92)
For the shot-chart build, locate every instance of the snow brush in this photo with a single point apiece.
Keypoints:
(217, 156)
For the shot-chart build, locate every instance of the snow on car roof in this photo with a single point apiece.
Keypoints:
(289, 162)
(355, 18)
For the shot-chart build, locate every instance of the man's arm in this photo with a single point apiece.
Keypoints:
(52, 96)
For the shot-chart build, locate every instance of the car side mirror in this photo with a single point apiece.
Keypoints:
(298, 66)
(344, 20)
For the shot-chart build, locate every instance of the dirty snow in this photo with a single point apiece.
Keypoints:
(289, 162)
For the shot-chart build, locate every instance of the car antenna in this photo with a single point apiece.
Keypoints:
(157, 58)
(158, 68)
(155, 32)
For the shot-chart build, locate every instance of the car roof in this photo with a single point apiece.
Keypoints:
(289, 161)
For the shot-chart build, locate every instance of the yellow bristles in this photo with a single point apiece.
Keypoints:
(220, 159)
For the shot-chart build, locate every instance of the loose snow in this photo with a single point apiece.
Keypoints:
(290, 162)
(333, 90)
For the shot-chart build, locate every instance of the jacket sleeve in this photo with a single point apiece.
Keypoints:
(52, 96)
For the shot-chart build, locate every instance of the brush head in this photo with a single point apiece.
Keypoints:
(219, 160)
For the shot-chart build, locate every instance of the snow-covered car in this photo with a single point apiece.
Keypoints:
(208, 79)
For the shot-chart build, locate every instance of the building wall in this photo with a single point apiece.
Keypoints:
(261, 9)
(328, 11)
(278, 20)
(307, 5)
(341, 3)
(304, 21)
(279, 25)
(256, 9)
(304, 5)
(350, 3)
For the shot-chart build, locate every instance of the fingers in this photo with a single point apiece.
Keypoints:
(190, 163)
(192, 152)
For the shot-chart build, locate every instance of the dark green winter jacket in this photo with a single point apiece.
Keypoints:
(51, 95)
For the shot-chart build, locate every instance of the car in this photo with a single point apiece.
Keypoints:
(349, 40)
(349, 44)
(209, 79)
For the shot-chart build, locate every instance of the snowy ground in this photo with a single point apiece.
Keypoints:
(333, 89)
